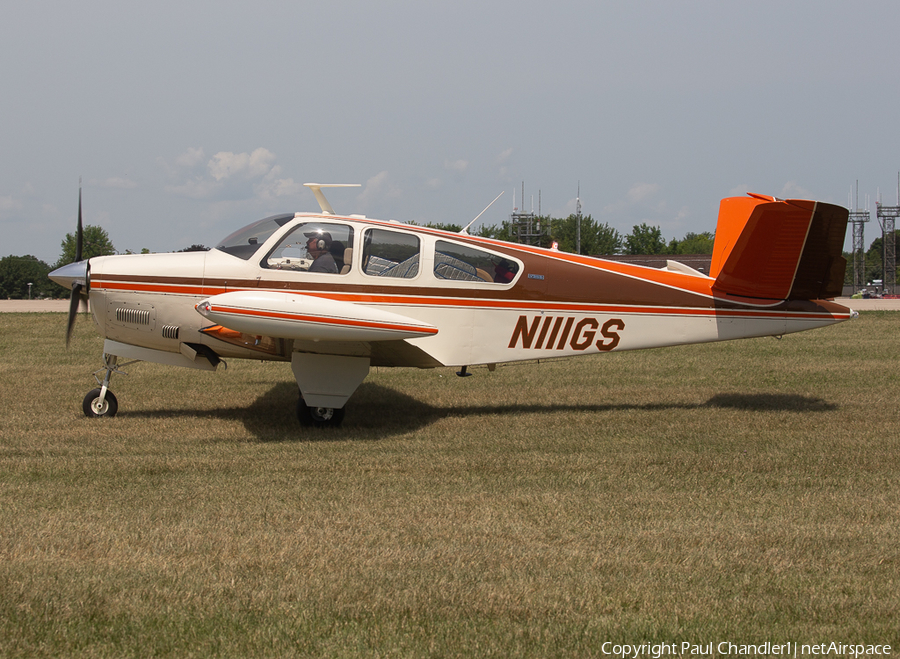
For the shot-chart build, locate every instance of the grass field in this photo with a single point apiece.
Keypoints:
(743, 492)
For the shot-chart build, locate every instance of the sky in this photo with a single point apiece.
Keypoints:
(187, 120)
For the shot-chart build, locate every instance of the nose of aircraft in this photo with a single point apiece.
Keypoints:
(71, 274)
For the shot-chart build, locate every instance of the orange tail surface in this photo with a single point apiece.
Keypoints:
(779, 249)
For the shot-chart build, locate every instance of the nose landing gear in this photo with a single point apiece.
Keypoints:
(101, 401)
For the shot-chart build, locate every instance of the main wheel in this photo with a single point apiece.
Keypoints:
(93, 407)
(320, 417)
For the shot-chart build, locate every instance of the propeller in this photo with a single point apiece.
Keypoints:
(77, 286)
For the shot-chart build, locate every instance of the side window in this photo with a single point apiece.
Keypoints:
(314, 247)
(463, 263)
(390, 254)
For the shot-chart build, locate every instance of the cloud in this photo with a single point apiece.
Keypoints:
(568, 208)
(9, 204)
(739, 190)
(226, 164)
(502, 160)
(642, 191)
(793, 191)
(191, 157)
(458, 166)
(639, 196)
(229, 176)
(377, 188)
(272, 187)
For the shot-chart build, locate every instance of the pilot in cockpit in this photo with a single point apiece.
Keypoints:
(318, 244)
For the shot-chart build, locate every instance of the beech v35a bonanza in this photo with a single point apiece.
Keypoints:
(334, 295)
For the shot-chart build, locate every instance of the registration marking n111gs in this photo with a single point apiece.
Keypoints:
(555, 331)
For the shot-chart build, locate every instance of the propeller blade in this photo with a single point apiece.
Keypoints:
(74, 301)
(79, 236)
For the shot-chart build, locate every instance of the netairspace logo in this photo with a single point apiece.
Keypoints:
(728, 649)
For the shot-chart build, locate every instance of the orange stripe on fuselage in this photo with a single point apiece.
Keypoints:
(322, 320)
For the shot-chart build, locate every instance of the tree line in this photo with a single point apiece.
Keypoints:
(874, 261)
(600, 239)
(17, 272)
(597, 239)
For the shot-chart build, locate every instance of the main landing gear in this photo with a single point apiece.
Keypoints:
(101, 401)
(319, 417)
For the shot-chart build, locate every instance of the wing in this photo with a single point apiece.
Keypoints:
(294, 316)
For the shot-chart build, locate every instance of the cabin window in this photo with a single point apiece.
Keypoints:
(314, 247)
(464, 263)
(390, 254)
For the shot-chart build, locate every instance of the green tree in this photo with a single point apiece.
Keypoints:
(874, 259)
(16, 272)
(96, 243)
(497, 232)
(596, 239)
(452, 228)
(693, 243)
(645, 239)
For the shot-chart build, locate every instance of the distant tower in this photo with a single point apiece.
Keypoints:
(578, 221)
(858, 219)
(526, 227)
(887, 217)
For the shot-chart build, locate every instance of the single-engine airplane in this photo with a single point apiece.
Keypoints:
(336, 294)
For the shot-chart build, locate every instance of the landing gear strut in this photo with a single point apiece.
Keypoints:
(101, 401)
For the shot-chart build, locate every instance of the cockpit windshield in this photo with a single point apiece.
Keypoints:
(244, 243)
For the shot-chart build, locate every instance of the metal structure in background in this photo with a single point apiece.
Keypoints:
(858, 219)
(887, 218)
(527, 228)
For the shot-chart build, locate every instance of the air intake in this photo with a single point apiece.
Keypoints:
(134, 316)
(170, 332)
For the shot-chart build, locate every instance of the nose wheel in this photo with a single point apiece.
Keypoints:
(101, 401)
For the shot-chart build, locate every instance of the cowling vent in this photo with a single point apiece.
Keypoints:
(134, 316)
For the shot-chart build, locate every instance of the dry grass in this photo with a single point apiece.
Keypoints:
(741, 491)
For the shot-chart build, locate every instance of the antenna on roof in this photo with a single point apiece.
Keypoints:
(320, 197)
(465, 230)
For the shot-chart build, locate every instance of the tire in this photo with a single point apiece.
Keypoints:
(91, 409)
(319, 417)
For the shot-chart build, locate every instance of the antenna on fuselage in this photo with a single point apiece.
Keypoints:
(320, 196)
(465, 230)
